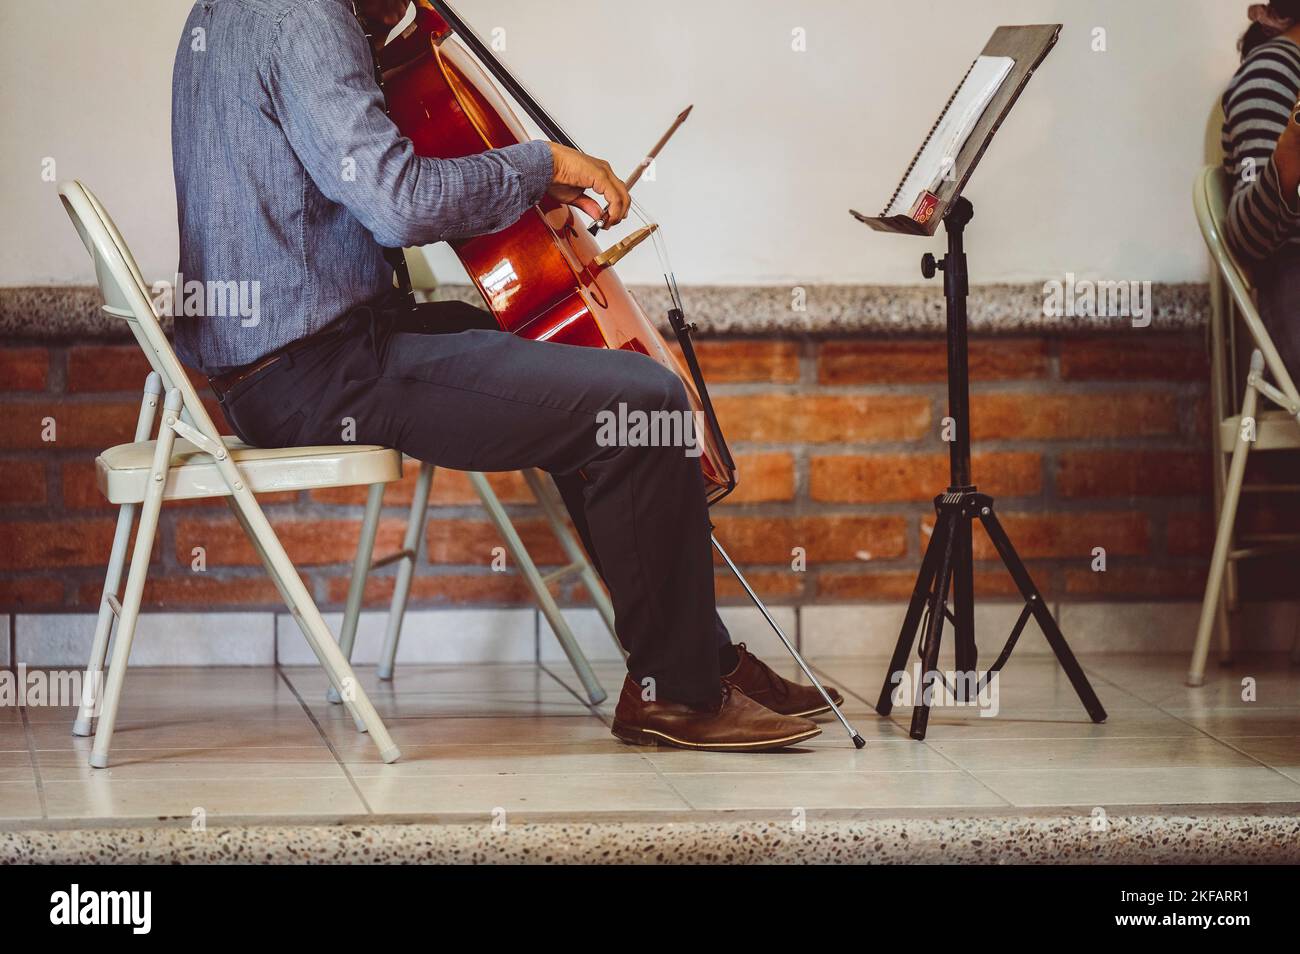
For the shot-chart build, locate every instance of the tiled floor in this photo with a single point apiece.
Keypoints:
(264, 743)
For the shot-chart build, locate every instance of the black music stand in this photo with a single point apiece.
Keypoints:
(949, 560)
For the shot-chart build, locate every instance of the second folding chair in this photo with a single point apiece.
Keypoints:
(538, 583)
(1237, 430)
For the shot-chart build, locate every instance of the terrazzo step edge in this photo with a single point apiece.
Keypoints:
(1253, 837)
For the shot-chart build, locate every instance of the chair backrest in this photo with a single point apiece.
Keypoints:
(1210, 196)
(1214, 133)
(126, 296)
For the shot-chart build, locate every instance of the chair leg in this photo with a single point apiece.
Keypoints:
(305, 612)
(411, 544)
(1227, 607)
(140, 556)
(545, 602)
(279, 585)
(360, 571)
(1221, 313)
(546, 495)
(91, 694)
(1230, 599)
(1222, 542)
(83, 725)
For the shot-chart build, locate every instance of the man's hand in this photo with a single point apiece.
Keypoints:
(575, 172)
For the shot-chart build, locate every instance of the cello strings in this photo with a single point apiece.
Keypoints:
(660, 242)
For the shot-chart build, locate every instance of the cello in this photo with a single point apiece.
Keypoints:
(544, 277)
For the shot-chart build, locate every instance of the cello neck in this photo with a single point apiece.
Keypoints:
(549, 127)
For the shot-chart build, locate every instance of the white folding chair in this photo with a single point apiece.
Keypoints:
(538, 583)
(1237, 431)
(190, 459)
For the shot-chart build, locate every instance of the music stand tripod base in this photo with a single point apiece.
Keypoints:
(948, 562)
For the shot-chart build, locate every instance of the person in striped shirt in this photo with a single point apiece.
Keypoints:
(1261, 146)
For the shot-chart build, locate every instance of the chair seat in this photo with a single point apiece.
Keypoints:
(1274, 430)
(123, 471)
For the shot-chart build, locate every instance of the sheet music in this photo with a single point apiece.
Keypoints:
(952, 130)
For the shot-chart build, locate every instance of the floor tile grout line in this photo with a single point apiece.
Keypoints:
(36, 768)
(591, 708)
(825, 672)
(601, 716)
(1117, 769)
(1227, 745)
(1093, 674)
(830, 771)
(595, 710)
(1096, 738)
(691, 806)
(663, 777)
(329, 744)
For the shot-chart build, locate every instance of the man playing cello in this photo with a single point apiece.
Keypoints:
(289, 173)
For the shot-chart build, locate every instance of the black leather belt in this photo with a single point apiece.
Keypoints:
(223, 384)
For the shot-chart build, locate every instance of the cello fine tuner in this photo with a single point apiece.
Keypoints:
(615, 252)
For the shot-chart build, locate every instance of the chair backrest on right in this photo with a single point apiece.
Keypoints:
(126, 296)
(1210, 196)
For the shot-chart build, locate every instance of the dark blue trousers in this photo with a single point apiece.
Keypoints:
(439, 386)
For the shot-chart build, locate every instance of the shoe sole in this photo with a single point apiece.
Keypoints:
(809, 713)
(635, 736)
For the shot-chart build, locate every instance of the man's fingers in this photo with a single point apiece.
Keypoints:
(624, 198)
(577, 170)
(588, 205)
(616, 197)
(603, 188)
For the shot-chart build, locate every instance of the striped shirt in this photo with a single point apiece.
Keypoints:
(1256, 108)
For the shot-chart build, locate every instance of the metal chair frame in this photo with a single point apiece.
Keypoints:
(1237, 431)
(188, 443)
(538, 583)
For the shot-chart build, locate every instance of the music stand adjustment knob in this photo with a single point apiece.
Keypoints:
(930, 264)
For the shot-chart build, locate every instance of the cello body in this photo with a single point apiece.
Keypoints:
(538, 276)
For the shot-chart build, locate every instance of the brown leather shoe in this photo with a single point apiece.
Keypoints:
(756, 679)
(738, 725)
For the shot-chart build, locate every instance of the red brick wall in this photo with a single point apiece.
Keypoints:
(1086, 441)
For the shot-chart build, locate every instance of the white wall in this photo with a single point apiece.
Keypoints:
(1091, 174)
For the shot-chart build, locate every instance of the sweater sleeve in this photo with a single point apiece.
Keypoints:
(332, 113)
(1257, 107)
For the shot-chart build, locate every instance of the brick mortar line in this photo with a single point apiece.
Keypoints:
(747, 387)
(1185, 435)
(1066, 388)
(1007, 505)
(798, 505)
